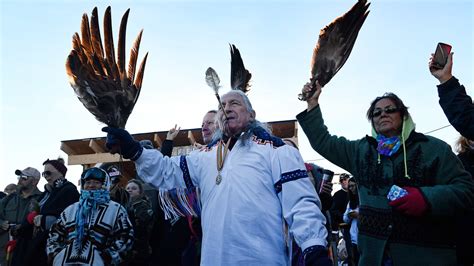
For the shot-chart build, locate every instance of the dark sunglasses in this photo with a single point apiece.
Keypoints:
(24, 177)
(94, 173)
(351, 186)
(388, 110)
(46, 173)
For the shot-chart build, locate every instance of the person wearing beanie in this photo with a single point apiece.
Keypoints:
(58, 194)
(93, 231)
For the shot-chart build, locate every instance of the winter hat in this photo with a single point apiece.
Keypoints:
(58, 164)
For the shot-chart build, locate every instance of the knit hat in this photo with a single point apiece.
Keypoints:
(58, 164)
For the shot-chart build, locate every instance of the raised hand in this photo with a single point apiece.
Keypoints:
(312, 100)
(172, 133)
(443, 74)
(120, 141)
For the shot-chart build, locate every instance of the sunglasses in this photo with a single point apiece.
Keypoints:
(388, 110)
(94, 173)
(46, 173)
(24, 177)
(351, 186)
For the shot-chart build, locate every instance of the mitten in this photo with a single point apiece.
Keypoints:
(31, 216)
(128, 147)
(413, 204)
(316, 256)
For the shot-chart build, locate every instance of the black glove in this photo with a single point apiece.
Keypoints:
(128, 147)
(316, 256)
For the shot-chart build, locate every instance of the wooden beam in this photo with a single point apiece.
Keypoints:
(94, 145)
(94, 158)
(157, 140)
(67, 149)
(191, 138)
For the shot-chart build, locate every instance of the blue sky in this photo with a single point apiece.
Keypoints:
(276, 38)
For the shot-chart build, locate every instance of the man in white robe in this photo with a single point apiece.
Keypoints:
(251, 187)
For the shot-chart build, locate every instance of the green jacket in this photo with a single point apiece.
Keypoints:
(429, 164)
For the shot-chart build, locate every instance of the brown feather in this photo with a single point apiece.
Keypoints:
(132, 62)
(121, 44)
(105, 92)
(85, 33)
(95, 34)
(109, 44)
(335, 44)
(140, 73)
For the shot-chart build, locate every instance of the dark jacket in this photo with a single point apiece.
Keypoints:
(432, 167)
(31, 248)
(339, 204)
(465, 221)
(14, 208)
(457, 106)
(140, 214)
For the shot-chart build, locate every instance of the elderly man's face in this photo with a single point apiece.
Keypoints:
(238, 117)
(208, 127)
(386, 123)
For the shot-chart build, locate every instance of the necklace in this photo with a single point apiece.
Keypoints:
(221, 158)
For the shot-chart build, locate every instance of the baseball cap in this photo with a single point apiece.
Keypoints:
(28, 171)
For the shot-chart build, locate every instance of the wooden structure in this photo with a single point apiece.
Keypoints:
(90, 151)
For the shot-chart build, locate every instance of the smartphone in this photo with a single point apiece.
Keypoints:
(441, 55)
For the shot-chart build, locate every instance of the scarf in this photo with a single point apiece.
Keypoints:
(388, 146)
(87, 203)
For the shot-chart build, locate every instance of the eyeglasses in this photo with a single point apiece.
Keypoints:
(388, 110)
(351, 186)
(46, 173)
(94, 173)
(24, 177)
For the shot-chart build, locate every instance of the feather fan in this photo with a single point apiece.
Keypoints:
(239, 76)
(212, 79)
(100, 80)
(335, 44)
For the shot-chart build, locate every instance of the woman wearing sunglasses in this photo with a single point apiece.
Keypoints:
(58, 194)
(437, 186)
(93, 231)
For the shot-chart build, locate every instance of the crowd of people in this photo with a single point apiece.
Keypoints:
(246, 197)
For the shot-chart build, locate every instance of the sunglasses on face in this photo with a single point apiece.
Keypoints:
(388, 110)
(46, 173)
(351, 186)
(24, 177)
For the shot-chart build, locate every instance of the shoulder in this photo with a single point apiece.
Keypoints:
(261, 136)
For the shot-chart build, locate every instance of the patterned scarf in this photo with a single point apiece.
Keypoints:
(388, 146)
(87, 203)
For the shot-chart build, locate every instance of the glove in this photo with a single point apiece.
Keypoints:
(413, 204)
(128, 147)
(316, 256)
(31, 216)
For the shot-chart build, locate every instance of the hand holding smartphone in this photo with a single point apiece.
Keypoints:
(440, 57)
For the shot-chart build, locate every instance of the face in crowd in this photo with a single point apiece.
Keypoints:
(51, 174)
(352, 186)
(386, 113)
(387, 118)
(11, 188)
(25, 183)
(93, 178)
(344, 182)
(92, 184)
(133, 189)
(238, 113)
(208, 126)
